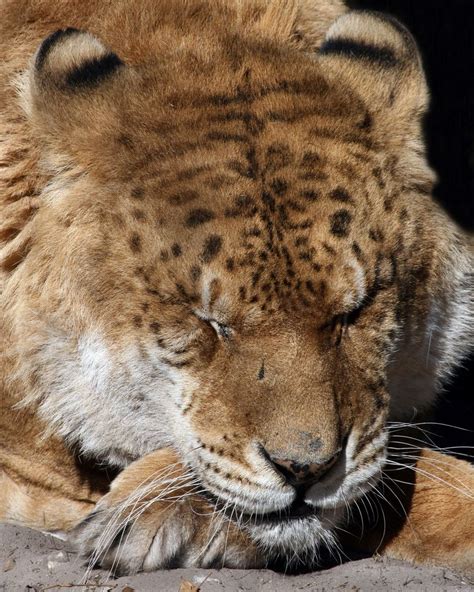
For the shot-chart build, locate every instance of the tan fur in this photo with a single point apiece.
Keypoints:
(438, 501)
(428, 514)
(440, 516)
(163, 509)
(223, 242)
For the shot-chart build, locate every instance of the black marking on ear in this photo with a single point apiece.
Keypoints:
(50, 41)
(383, 56)
(94, 71)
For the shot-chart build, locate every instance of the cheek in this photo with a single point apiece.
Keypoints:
(209, 415)
(220, 417)
(360, 379)
(369, 345)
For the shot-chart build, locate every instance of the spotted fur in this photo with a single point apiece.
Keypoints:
(218, 236)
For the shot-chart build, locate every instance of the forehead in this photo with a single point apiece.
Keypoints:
(275, 180)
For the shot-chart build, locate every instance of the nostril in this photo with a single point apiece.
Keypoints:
(284, 467)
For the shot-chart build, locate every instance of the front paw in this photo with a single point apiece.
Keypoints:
(153, 518)
(128, 538)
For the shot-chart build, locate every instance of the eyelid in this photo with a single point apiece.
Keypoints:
(350, 317)
(221, 329)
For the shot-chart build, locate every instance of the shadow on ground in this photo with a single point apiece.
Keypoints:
(32, 562)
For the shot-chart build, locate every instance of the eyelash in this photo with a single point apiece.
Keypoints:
(222, 330)
(340, 323)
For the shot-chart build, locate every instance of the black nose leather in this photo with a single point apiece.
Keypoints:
(302, 474)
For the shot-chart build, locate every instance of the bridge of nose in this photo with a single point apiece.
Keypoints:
(304, 449)
(279, 391)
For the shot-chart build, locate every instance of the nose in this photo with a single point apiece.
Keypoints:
(301, 474)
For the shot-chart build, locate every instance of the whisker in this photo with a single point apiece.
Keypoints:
(174, 500)
(432, 477)
(382, 538)
(118, 521)
(433, 461)
(111, 524)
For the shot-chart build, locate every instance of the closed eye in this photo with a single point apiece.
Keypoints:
(222, 330)
(347, 318)
(339, 324)
(351, 318)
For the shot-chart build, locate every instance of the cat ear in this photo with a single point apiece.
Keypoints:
(69, 80)
(378, 58)
(71, 94)
(70, 60)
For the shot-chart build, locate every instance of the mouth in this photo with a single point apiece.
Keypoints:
(297, 510)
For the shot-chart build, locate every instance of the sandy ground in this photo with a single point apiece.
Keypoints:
(32, 562)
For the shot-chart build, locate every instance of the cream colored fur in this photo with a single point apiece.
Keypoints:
(219, 256)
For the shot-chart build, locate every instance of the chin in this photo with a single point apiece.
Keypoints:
(298, 541)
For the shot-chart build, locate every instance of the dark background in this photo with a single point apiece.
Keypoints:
(444, 30)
